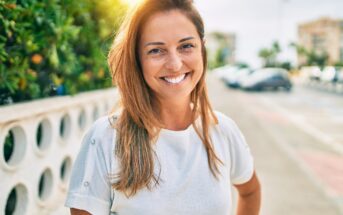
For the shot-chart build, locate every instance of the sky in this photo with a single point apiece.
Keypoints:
(257, 23)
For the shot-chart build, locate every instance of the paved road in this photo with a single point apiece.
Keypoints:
(297, 142)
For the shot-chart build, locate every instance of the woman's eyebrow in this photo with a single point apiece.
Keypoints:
(161, 43)
(153, 43)
(185, 39)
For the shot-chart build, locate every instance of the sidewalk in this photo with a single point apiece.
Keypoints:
(285, 161)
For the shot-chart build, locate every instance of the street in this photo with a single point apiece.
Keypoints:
(297, 141)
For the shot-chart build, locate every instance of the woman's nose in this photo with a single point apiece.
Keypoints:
(174, 62)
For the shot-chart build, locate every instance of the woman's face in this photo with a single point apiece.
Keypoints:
(170, 52)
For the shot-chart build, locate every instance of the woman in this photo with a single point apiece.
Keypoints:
(167, 151)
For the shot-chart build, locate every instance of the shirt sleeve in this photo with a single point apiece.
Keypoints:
(241, 160)
(90, 187)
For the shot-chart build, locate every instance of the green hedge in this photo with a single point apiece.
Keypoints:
(55, 47)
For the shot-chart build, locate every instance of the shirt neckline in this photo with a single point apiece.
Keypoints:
(176, 132)
(180, 132)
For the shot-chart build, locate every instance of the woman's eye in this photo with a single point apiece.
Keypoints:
(155, 51)
(187, 46)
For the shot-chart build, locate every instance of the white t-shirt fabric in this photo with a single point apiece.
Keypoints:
(187, 185)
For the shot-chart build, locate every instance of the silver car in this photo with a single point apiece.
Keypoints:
(267, 78)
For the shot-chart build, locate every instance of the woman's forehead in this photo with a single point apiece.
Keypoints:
(168, 26)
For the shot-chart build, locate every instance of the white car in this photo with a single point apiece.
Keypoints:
(329, 74)
(340, 75)
(238, 77)
(311, 72)
(267, 78)
(225, 73)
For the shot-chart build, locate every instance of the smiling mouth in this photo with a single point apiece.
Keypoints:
(175, 79)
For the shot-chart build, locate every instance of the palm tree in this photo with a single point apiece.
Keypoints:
(313, 58)
(269, 55)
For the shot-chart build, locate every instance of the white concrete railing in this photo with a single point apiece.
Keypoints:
(42, 140)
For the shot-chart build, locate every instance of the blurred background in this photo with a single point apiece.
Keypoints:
(275, 67)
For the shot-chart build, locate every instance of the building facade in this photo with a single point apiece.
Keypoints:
(324, 36)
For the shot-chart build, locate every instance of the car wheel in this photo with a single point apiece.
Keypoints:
(288, 88)
(259, 88)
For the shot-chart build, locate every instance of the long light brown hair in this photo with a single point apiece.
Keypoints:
(139, 122)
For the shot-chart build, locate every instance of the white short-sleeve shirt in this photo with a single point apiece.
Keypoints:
(186, 185)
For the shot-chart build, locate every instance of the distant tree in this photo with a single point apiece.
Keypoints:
(269, 55)
(286, 65)
(317, 59)
(242, 65)
(312, 57)
(220, 58)
(339, 64)
(220, 55)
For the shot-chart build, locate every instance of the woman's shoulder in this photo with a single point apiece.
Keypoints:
(102, 131)
(227, 125)
(102, 124)
(224, 120)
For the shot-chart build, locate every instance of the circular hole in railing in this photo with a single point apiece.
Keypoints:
(14, 146)
(9, 146)
(65, 169)
(95, 113)
(65, 126)
(17, 199)
(82, 119)
(45, 185)
(44, 134)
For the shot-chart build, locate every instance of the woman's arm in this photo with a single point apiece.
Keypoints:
(249, 197)
(74, 211)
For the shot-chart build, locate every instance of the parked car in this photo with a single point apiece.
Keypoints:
(330, 74)
(267, 78)
(223, 71)
(312, 73)
(340, 75)
(229, 73)
(236, 79)
(315, 74)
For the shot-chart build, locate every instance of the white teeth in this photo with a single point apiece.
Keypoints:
(175, 80)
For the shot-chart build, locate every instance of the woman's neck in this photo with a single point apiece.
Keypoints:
(176, 115)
